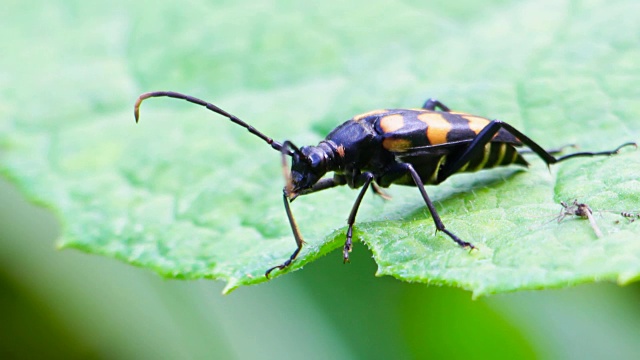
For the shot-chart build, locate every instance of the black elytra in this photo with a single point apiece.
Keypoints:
(379, 148)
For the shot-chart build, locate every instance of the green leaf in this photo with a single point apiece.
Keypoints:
(191, 195)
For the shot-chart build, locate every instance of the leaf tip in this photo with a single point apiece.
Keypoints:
(230, 286)
(627, 277)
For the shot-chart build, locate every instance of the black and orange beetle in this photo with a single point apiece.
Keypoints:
(410, 147)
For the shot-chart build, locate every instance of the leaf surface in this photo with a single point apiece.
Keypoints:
(190, 195)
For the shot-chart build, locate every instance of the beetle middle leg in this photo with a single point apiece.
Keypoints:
(400, 170)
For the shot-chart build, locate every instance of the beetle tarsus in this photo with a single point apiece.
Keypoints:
(348, 245)
(284, 264)
(345, 254)
(458, 241)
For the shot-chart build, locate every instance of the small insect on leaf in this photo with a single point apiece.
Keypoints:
(581, 210)
(631, 216)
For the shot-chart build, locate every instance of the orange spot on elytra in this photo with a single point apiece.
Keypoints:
(476, 123)
(391, 123)
(437, 127)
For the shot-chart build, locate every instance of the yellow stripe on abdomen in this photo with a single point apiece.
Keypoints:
(396, 144)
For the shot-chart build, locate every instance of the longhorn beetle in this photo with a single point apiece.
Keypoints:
(410, 147)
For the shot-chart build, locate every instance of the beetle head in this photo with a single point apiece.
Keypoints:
(309, 164)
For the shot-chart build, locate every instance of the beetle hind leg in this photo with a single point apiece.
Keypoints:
(432, 104)
(551, 151)
(486, 135)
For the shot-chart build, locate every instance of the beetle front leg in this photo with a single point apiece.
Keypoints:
(348, 244)
(378, 191)
(296, 234)
(323, 184)
(366, 179)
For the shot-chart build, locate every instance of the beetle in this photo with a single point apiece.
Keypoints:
(379, 148)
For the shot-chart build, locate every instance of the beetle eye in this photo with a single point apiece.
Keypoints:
(296, 177)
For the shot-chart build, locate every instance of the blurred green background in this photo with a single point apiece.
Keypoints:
(72, 305)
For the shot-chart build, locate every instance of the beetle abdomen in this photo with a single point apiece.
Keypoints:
(430, 139)
(428, 166)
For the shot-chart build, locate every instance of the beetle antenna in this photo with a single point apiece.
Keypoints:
(274, 144)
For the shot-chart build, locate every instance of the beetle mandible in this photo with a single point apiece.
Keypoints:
(410, 147)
